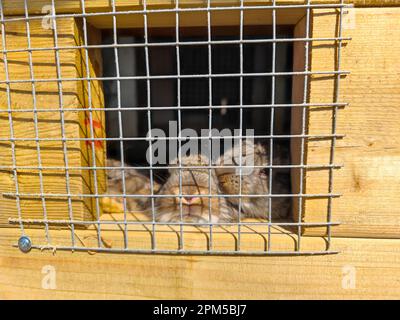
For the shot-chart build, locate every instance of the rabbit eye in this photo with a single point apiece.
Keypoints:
(263, 173)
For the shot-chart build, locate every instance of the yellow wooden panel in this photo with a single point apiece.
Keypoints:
(297, 112)
(91, 97)
(370, 152)
(199, 19)
(49, 123)
(15, 7)
(365, 269)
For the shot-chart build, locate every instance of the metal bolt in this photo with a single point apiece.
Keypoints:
(25, 244)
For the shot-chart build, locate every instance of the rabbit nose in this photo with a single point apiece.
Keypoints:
(189, 200)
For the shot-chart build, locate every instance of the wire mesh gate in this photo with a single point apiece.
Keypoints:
(238, 227)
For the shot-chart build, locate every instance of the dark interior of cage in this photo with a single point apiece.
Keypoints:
(227, 108)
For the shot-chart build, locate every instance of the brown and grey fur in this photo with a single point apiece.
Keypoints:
(255, 181)
(194, 182)
(135, 184)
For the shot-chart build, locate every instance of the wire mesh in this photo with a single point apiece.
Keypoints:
(147, 222)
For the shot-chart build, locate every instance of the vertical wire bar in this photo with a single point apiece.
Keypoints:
(62, 117)
(210, 113)
(271, 141)
(303, 127)
(240, 124)
(120, 124)
(92, 135)
(178, 70)
(35, 120)
(334, 122)
(10, 119)
(148, 86)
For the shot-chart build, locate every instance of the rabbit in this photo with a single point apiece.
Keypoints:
(194, 182)
(254, 181)
(135, 184)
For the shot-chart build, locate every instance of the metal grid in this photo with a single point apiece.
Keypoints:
(72, 222)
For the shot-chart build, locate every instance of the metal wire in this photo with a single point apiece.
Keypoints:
(35, 119)
(184, 43)
(303, 129)
(249, 106)
(182, 76)
(148, 88)
(63, 139)
(272, 109)
(95, 193)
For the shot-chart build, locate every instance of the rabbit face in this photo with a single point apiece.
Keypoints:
(191, 195)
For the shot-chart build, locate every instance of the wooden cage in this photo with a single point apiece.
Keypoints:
(368, 237)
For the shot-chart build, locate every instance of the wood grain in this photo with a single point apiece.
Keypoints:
(74, 95)
(296, 114)
(16, 7)
(199, 19)
(124, 276)
(370, 152)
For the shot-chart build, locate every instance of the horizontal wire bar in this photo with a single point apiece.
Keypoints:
(123, 222)
(175, 10)
(306, 136)
(184, 252)
(79, 195)
(180, 43)
(172, 108)
(283, 166)
(181, 76)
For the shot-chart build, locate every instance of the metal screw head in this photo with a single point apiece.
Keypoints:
(25, 244)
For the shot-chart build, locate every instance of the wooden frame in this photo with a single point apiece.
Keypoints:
(373, 264)
(322, 58)
(369, 180)
(16, 7)
(368, 211)
(77, 124)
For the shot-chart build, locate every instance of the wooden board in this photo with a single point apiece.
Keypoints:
(199, 19)
(91, 96)
(365, 269)
(49, 123)
(16, 7)
(370, 152)
(297, 112)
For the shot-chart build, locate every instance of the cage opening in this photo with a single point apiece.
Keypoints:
(211, 67)
(195, 91)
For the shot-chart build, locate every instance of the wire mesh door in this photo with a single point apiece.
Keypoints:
(220, 180)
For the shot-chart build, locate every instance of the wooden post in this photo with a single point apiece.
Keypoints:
(77, 124)
(370, 150)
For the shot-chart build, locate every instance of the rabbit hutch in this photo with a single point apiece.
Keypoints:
(91, 91)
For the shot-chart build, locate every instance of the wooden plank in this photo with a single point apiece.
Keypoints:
(167, 237)
(297, 112)
(49, 125)
(199, 19)
(93, 97)
(370, 179)
(373, 263)
(16, 7)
